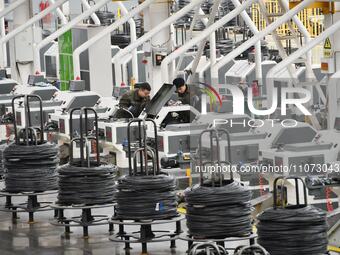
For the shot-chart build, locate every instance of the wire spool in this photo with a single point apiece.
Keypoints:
(146, 197)
(226, 7)
(217, 208)
(251, 250)
(207, 249)
(31, 168)
(296, 229)
(139, 26)
(105, 17)
(186, 19)
(121, 40)
(92, 185)
(218, 212)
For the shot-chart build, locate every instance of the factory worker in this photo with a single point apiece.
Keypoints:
(187, 94)
(182, 90)
(135, 100)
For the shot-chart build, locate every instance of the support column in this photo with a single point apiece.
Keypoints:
(160, 45)
(21, 49)
(333, 87)
(3, 33)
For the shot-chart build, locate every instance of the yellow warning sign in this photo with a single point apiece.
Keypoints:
(328, 44)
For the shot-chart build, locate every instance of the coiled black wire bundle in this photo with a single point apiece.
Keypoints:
(139, 26)
(293, 230)
(186, 19)
(227, 6)
(121, 40)
(218, 212)
(146, 197)
(31, 168)
(92, 185)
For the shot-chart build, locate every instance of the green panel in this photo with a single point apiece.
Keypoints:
(65, 60)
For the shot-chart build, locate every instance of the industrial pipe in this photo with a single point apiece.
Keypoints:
(62, 30)
(30, 22)
(270, 28)
(100, 35)
(11, 7)
(94, 16)
(300, 52)
(133, 38)
(201, 46)
(60, 14)
(3, 32)
(309, 71)
(198, 12)
(200, 37)
(258, 51)
(150, 34)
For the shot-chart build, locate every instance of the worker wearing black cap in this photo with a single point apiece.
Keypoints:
(182, 90)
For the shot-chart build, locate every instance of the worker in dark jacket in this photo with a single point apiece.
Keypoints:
(182, 90)
(186, 94)
(134, 101)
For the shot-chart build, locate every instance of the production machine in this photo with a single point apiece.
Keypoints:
(322, 148)
(315, 158)
(165, 117)
(248, 139)
(36, 86)
(6, 85)
(76, 97)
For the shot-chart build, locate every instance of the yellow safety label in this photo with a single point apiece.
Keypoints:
(328, 44)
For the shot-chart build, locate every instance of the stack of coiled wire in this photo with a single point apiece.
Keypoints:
(139, 26)
(293, 230)
(92, 185)
(31, 168)
(220, 211)
(226, 7)
(146, 197)
(186, 19)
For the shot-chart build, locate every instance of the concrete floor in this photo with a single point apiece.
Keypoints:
(42, 238)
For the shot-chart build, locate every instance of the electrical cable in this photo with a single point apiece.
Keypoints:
(146, 197)
(31, 168)
(293, 230)
(218, 212)
(92, 185)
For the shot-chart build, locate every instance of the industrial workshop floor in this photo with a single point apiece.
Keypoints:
(41, 238)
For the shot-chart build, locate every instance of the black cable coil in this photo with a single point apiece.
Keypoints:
(121, 40)
(86, 186)
(147, 197)
(293, 230)
(31, 168)
(218, 212)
